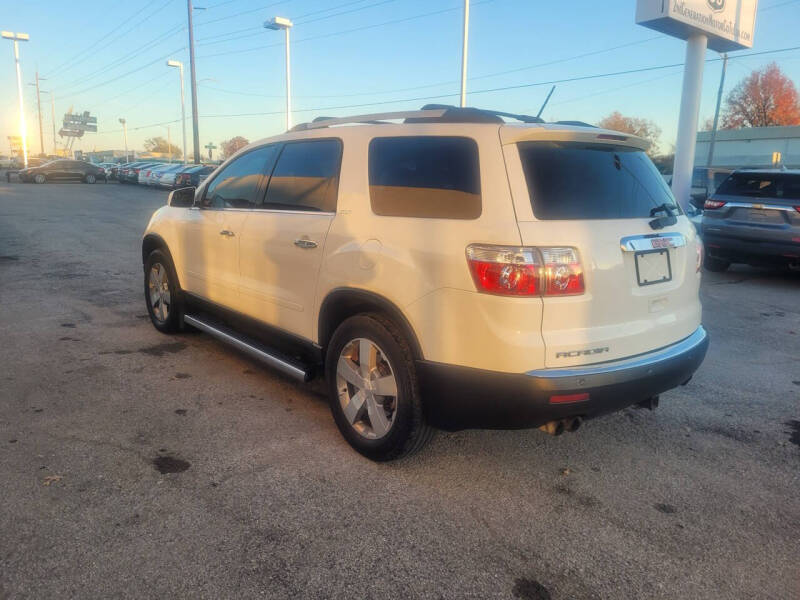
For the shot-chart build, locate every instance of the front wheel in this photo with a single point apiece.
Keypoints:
(90, 178)
(39, 178)
(161, 292)
(373, 391)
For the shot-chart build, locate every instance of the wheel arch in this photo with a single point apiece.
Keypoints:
(342, 303)
(153, 241)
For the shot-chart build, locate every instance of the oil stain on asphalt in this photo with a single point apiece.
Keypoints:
(162, 349)
(170, 464)
(530, 589)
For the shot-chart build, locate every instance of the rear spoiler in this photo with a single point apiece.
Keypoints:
(513, 134)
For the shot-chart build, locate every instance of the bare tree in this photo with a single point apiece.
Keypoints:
(160, 145)
(233, 145)
(640, 127)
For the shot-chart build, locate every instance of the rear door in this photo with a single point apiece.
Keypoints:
(641, 283)
(756, 207)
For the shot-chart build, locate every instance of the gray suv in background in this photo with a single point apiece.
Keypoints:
(753, 217)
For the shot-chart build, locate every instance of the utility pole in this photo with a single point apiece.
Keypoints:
(39, 108)
(23, 132)
(196, 132)
(716, 112)
(53, 109)
(464, 55)
(125, 135)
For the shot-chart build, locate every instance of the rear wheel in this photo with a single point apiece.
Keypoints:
(161, 292)
(90, 178)
(373, 391)
(39, 178)
(716, 265)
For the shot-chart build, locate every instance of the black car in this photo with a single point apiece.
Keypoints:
(753, 217)
(130, 173)
(63, 170)
(190, 176)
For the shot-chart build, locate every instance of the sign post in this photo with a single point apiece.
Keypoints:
(721, 25)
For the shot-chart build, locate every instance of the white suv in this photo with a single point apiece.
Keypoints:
(451, 270)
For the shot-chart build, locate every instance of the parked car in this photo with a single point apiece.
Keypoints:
(63, 170)
(705, 181)
(144, 177)
(130, 174)
(5, 162)
(167, 177)
(466, 272)
(754, 217)
(192, 174)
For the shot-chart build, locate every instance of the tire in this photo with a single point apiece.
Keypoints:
(90, 178)
(161, 289)
(39, 178)
(716, 265)
(402, 429)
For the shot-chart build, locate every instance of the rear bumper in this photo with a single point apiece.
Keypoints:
(739, 249)
(462, 398)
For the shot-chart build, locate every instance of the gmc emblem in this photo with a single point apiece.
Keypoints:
(574, 353)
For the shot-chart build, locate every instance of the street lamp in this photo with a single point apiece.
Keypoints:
(125, 135)
(464, 55)
(179, 65)
(286, 25)
(16, 38)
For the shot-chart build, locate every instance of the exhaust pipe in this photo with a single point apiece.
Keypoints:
(573, 424)
(553, 427)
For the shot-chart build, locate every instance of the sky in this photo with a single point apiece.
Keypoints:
(352, 57)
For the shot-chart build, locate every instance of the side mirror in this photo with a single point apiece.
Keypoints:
(181, 198)
(698, 197)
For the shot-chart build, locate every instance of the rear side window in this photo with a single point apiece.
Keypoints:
(573, 180)
(761, 185)
(240, 184)
(306, 177)
(427, 176)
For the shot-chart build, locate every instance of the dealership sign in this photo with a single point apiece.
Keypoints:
(729, 24)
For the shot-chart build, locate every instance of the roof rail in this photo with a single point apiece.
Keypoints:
(430, 113)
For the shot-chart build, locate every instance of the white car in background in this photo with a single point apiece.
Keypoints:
(166, 177)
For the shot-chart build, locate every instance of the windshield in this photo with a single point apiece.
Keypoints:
(575, 180)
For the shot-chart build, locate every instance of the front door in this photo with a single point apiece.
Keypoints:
(213, 231)
(282, 243)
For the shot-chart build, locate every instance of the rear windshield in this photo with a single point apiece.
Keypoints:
(574, 180)
(762, 185)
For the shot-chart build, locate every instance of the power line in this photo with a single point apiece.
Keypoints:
(244, 12)
(502, 88)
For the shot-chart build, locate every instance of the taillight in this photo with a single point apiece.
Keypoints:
(713, 204)
(797, 208)
(699, 249)
(525, 271)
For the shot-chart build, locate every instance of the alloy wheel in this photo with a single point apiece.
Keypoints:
(158, 287)
(367, 388)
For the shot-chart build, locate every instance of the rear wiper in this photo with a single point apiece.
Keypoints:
(668, 219)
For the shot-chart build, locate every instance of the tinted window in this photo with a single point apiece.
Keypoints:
(761, 185)
(571, 180)
(433, 177)
(239, 185)
(306, 177)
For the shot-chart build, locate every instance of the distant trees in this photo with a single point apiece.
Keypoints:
(764, 98)
(159, 144)
(233, 145)
(644, 128)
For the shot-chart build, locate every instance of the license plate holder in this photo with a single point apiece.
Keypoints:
(653, 266)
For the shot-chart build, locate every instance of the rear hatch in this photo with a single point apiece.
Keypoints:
(598, 192)
(756, 206)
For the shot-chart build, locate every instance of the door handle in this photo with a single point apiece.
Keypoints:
(227, 233)
(302, 243)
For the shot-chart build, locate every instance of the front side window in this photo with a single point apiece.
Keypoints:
(240, 184)
(306, 177)
(576, 180)
(426, 176)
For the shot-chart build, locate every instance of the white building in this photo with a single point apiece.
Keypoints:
(750, 147)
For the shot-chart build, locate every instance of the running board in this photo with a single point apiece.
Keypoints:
(289, 366)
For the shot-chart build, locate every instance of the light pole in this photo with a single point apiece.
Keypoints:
(125, 135)
(193, 74)
(16, 38)
(286, 25)
(179, 65)
(169, 144)
(464, 55)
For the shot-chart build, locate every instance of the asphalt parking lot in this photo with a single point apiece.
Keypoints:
(263, 498)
